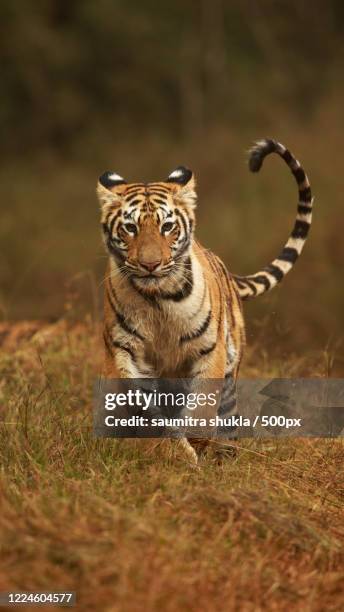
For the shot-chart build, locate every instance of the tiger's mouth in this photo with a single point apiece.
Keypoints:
(153, 282)
(149, 284)
(152, 277)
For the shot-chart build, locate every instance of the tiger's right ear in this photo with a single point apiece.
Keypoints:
(110, 189)
(184, 186)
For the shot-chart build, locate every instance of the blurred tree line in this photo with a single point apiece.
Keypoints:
(128, 66)
(141, 86)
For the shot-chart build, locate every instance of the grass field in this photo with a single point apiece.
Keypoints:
(135, 528)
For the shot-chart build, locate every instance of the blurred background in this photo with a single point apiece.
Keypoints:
(139, 87)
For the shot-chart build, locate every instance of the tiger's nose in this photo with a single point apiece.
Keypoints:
(150, 265)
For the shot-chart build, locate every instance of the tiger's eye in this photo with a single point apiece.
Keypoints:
(131, 228)
(166, 227)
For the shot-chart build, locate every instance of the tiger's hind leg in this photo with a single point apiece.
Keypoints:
(226, 432)
(228, 407)
(221, 445)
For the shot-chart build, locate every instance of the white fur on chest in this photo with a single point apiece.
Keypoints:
(163, 322)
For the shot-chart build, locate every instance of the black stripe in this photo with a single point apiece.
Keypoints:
(108, 216)
(304, 210)
(182, 250)
(107, 343)
(134, 202)
(157, 187)
(252, 286)
(228, 390)
(274, 271)
(131, 196)
(156, 191)
(113, 250)
(134, 187)
(161, 196)
(199, 332)
(305, 194)
(270, 146)
(208, 350)
(212, 263)
(287, 156)
(227, 407)
(244, 283)
(181, 216)
(222, 306)
(289, 254)
(121, 320)
(223, 268)
(117, 241)
(158, 200)
(116, 253)
(127, 327)
(185, 290)
(301, 229)
(147, 296)
(299, 174)
(261, 280)
(241, 283)
(126, 349)
(113, 221)
(229, 397)
(180, 295)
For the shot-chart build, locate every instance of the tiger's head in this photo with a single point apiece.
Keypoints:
(148, 228)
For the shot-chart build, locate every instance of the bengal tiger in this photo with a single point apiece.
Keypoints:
(171, 307)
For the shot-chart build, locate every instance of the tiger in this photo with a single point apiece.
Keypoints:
(171, 307)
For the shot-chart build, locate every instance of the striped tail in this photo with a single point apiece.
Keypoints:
(267, 278)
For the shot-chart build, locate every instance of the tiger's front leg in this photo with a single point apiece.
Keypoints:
(124, 358)
(124, 353)
(218, 365)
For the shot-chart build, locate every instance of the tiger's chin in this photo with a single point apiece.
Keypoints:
(149, 279)
(152, 283)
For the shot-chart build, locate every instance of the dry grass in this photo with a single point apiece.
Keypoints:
(131, 529)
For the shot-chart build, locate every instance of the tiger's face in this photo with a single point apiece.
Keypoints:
(148, 228)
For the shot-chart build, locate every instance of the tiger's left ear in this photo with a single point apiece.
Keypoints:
(110, 189)
(184, 183)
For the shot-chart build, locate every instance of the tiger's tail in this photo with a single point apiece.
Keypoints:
(255, 284)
